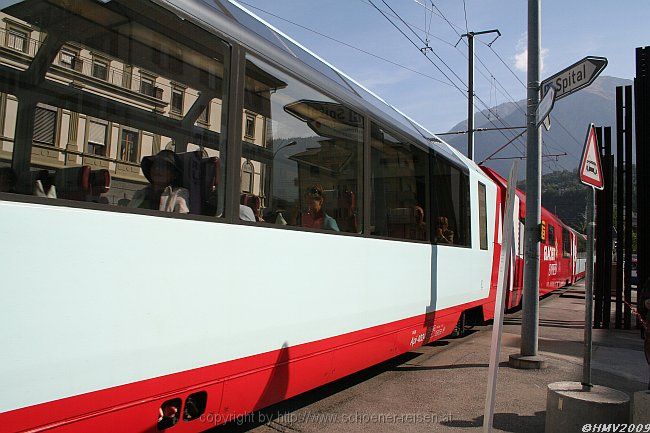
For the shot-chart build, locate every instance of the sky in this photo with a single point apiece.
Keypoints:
(571, 30)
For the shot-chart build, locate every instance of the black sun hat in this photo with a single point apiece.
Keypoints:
(165, 155)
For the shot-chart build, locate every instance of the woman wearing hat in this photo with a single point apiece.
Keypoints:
(164, 192)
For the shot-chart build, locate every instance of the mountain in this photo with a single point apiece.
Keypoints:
(570, 118)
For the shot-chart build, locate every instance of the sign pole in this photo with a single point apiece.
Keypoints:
(589, 292)
(591, 174)
(503, 284)
(527, 358)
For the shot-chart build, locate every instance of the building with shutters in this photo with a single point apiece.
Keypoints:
(64, 138)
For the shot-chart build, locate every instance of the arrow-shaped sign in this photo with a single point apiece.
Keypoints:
(545, 106)
(575, 77)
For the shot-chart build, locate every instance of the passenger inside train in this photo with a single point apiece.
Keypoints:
(164, 192)
(315, 216)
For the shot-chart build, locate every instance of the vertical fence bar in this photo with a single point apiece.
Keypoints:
(609, 224)
(620, 195)
(627, 318)
(642, 116)
(599, 239)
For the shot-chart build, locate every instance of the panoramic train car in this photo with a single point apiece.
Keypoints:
(205, 219)
(560, 264)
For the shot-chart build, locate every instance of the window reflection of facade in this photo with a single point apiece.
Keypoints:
(310, 140)
(94, 126)
(298, 145)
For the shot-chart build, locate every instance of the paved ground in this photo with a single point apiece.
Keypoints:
(441, 387)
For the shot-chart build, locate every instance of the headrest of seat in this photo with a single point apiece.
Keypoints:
(73, 182)
(100, 182)
(8, 179)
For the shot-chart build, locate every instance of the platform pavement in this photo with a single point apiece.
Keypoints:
(441, 387)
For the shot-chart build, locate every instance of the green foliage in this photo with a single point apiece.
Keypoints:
(565, 196)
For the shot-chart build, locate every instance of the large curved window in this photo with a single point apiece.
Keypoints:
(399, 180)
(122, 115)
(451, 205)
(307, 152)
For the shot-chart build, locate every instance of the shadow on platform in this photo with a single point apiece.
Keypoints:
(510, 422)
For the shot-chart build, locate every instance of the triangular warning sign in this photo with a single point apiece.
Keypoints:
(591, 172)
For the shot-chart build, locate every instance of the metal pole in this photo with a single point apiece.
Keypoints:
(619, 207)
(600, 242)
(608, 168)
(530, 310)
(627, 291)
(470, 96)
(589, 292)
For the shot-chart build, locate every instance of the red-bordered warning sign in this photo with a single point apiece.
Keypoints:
(591, 172)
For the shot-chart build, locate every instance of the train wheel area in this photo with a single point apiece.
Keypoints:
(441, 386)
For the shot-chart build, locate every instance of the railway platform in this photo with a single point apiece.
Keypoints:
(441, 386)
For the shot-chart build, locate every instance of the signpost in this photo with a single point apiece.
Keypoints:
(591, 175)
(507, 254)
(575, 77)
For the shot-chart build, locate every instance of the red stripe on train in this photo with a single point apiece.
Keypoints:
(235, 387)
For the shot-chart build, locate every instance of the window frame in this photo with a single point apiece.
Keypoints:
(232, 106)
(464, 171)
(138, 145)
(249, 116)
(176, 90)
(89, 143)
(17, 28)
(97, 60)
(566, 243)
(147, 77)
(550, 236)
(367, 170)
(482, 219)
(251, 174)
(231, 54)
(76, 59)
(57, 127)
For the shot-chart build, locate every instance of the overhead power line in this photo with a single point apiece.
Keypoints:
(346, 44)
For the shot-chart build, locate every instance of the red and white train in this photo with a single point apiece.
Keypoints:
(201, 218)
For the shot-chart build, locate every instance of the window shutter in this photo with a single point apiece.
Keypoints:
(97, 133)
(44, 125)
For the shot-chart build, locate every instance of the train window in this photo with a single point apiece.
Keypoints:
(482, 216)
(113, 118)
(7, 132)
(399, 196)
(451, 206)
(582, 247)
(551, 235)
(566, 243)
(306, 152)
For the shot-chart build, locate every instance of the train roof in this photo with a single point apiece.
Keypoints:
(252, 31)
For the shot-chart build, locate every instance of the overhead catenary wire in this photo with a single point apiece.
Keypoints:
(442, 61)
(450, 83)
(454, 28)
(465, 11)
(346, 44)
(359, 49)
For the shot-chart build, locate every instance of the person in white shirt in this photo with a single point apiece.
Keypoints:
(164, 192)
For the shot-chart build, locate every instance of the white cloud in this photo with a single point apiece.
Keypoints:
(521, 57)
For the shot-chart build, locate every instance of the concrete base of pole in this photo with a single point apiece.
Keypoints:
(569, 407)
(527, 362)
(641, 407)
